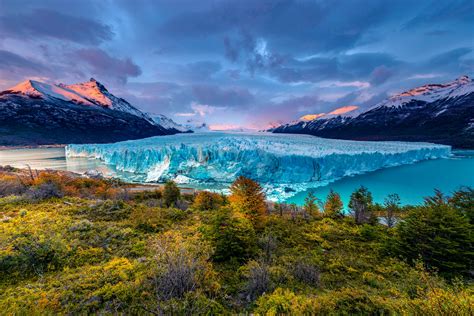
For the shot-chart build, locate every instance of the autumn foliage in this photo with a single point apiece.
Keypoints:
(247, 196)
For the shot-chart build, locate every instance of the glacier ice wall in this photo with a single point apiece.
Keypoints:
(284, 164)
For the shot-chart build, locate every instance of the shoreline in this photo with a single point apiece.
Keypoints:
(32, 146)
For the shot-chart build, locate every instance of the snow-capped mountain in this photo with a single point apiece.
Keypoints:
(34, 112)
(168, 123)
(197, 126)
(440, 113)
(430, 93)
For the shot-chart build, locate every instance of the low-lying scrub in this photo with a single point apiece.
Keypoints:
(77, 246)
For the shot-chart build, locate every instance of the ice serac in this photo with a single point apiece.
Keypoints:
(283, 164)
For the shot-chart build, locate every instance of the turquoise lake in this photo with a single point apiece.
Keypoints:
(411, 182)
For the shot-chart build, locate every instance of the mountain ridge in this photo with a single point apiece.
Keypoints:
(440, 113)
(38, 113)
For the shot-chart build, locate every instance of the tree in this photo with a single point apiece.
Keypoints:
(360, 205)
(333, 206)
(247, 197)
(463, 201)
(232, 235)
(310, 205)
(438, 234)
(171, 193)
(207, 201)
(391, 209)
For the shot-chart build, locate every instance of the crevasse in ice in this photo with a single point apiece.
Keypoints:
(284, 164)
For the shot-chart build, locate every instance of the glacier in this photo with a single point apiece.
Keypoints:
(283, 164)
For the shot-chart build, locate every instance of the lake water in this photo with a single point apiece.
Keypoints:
(411, 182)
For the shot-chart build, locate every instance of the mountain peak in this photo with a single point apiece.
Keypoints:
(463, 79)
(93, 90)
(431, 92)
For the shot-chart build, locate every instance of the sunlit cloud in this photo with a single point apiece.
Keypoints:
(310, 117)
(344, 109)
(424, 76)
(339, 84)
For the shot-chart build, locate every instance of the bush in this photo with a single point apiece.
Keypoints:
(307, 273)
(171, 193)
(438, 234)
(10, 185)
(208, 201)
(29, 254)
(109, 211)
(45, 190)
(258, 279)
(147, 219)
(180, 267)
(231, 235)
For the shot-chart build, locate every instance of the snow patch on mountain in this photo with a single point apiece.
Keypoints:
(430, 93)
(168, 123)
(37, 89)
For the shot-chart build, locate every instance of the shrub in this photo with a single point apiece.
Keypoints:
(109, 211)
(30, 254)
(232, 235)
(180, 267)
(147, 219)
(208, 201)
(438, 234)
(258, 279)
(45, 190)
(10, 185)
(307, 273)
(171, 193)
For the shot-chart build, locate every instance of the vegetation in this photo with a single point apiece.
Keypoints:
(73, 245)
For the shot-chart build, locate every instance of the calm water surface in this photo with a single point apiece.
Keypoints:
(411, 182)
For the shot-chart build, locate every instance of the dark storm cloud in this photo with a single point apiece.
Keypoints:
(100, 63)
(48, 23)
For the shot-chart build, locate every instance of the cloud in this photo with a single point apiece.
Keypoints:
(214, 95)
(14, 68)
(201, 70)
(381, 74)
(424, 76)
(356, 84)
(40, 23)
(100, 63)
(437, 12)
(13, 62)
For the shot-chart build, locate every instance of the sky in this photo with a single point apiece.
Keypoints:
(242, 63)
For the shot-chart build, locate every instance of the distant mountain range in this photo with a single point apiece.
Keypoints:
(38, 113)
(438, 113)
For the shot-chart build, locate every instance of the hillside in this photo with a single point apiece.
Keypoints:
(438, 113)
(38, 113)
(73, 245)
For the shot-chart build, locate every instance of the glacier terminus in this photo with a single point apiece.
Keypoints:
(283, 164)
